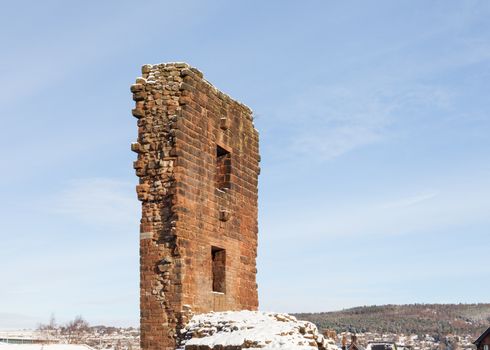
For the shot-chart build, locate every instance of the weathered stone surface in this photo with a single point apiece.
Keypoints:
(197, 162)
(252, 330)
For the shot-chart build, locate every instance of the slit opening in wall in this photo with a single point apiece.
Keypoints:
(218, 257)
(223, 168)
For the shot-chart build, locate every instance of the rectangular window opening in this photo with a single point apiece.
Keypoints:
(223, 168)
(218, 256)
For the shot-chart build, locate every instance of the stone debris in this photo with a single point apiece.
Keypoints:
(234, 330)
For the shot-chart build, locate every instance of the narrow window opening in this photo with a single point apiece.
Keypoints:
(223, 168)
(218, 256)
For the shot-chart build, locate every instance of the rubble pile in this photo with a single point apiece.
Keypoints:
(234, 330)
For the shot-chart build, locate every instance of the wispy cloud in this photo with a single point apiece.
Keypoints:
(380, 89)
(88, 224)
(97, 201)
(337, 120)
(331, 121)
(45, 62)
(447, 207)
(410, 201)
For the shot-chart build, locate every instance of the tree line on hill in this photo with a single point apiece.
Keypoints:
(437, 320)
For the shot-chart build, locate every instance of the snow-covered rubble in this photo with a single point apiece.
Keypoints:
(234, 330)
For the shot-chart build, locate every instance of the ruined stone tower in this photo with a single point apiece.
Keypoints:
(198, 166)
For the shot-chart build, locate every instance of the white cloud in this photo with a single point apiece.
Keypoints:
(410, 201)
(98, 201)
(453, 205)
(328, 122)
(336, 141)
(390, 87)
(43, 63)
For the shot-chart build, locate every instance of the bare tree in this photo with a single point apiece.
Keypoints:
(48, 330)
(48, 326)
(75, 330)
(52, 322)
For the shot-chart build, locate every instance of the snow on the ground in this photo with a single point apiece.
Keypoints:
(252, 330)
(6, 346)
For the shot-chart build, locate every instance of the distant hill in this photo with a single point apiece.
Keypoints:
(433, 319)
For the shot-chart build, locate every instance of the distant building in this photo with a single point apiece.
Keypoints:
(381, 346)
(483, 342)
(403, 347)
(354, 345)
(26, 346)
(24, 337)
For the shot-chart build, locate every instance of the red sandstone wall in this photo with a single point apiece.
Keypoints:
(181, 121)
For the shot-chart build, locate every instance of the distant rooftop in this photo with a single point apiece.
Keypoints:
(5, 346)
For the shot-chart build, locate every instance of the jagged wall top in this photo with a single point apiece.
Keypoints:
(149, 70)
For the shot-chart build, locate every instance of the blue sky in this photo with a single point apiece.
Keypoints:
(374, 123)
